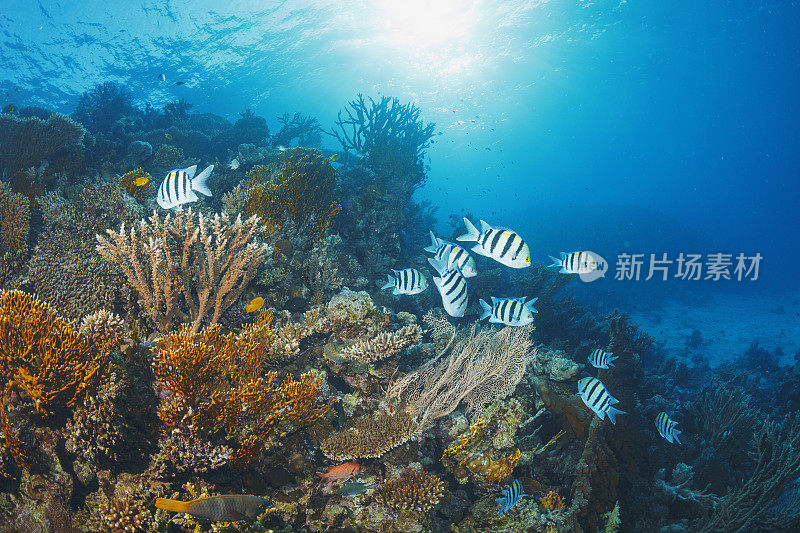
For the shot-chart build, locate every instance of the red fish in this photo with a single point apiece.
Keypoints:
(343, 471)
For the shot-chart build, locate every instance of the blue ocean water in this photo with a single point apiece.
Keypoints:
(672, 127)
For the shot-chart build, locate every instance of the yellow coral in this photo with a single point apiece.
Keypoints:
(552, 500)
(141, 192)
(501, 469)
(42, 358)
(301, 188)
(218, 386)
(15, 218)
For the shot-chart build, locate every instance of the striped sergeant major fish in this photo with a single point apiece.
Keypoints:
(501, 244)
(510, 496)
(179, 186)
(575, 262)
(509, 311)
(451, 284)
(601, 358)
(596, 397)
(666, 427)
(458, 255)
(406, 281)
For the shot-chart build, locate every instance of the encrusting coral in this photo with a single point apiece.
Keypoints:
(43, 360)
(216, 385)
(215, 260)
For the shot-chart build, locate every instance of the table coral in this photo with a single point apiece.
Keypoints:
(383, 345)
(43, 359)
(370, 436)
(216, 258)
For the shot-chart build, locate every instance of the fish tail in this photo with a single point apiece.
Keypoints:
(612, 413)
(171, 505)
(487, 310)
(472, 233)
(529, 305)
(199, 181)
(389, 284)
(675, 435)
(434, 244)
(439, 265)
(556, 262)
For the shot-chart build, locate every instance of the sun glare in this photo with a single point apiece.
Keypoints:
(425, 26)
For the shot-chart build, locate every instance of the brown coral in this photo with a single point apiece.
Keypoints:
(167, 156)
(15, 219)
(414, 490)
(42, 358)
(384, 345)
(301, 189)
(27, 142)
(216, 258)
(370, 437)
(121, 516)
(141, 192)
(217, 385)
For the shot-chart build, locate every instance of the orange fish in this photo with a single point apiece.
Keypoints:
(343, 471)
(255, 305)
(225, 508)
(141, 181)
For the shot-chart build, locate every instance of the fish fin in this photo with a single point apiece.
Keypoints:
(487, 310)
(668, 437)
(440, 265)
(434, 244)
(478, 249)
(389, 283)
(609, 363)
(472, 233)
(171, 505)
(485, 226)
(236, 515)
(556, 262)
(530, 303)
(495, 320)
(191, 196)
(199, 183)
(396, 291)
(437, 281)
(612, 413)
(563, 271)
(190, 171)
(494, 300)
(675, 435)
(162, 204)
(611, 399)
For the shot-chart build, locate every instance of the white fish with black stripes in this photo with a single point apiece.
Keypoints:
(666, 427)
(179, 186)
(406, 281)
(501, 244)
(587, 264)
(451, 284)
(458, 255)
(602, 359)
(509, 311)
(596, 397)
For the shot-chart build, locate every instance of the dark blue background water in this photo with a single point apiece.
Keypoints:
(614, 126)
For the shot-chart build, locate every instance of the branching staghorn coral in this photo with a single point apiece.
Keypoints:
(217, 385)
(203, 263)
(483, 365)
(42, 359)
(414, 490)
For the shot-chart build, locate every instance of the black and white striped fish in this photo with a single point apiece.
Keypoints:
(601, 358)
(179, 186)
(451, 284)
(510, 496)
(596, 397)
(509, 311)
(406, 281)
(458, 255)
(666, 427)
(501, 244)
(576, 263)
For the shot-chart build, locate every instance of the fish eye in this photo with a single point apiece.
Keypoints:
(527, 259)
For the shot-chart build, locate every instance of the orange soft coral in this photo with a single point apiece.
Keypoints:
(218, 387)
(43, 359)
(141, 191)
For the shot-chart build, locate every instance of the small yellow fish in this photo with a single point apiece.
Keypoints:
(334, 157)
(142, 180)
(168, 136)
(225, 508)
(255, 305)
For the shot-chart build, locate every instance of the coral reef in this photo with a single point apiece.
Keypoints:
(306, 130)
(383, 345)
(15, 219)
(414, 490)
(26, 143)
(370, 436)
(128, 181)
(217, 259)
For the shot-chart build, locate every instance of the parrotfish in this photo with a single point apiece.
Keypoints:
(225, 508)
(354, 488)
